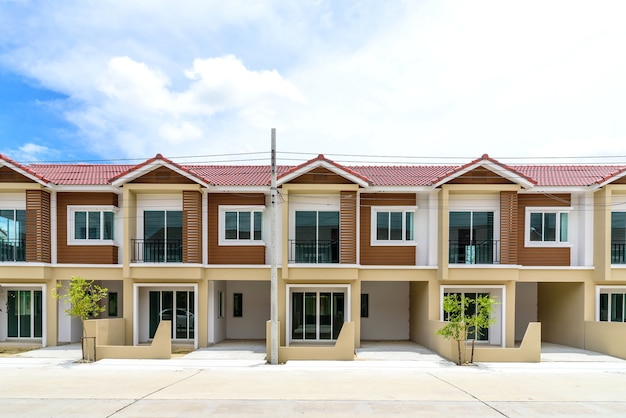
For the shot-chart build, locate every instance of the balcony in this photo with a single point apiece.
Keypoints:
(618, 252)
(157, 251)
(314, 252)
(12, 250)
(479, 252)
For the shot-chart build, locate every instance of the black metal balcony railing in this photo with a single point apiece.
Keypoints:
(479, 252)
(313, 251)
(13, 250)
(157, 251)
(618, 252)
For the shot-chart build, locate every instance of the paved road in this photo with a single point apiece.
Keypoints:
(571, 385)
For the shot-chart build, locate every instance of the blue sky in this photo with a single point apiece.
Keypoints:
(428, 80)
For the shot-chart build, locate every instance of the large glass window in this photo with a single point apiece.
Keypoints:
(612, 305)
(393, 226)
(316, 237)
(12, 235)
(24, 314)
(618, 237)
(176, 306)
(163, 236)
(546, 226)
(241, 225)
(471, 238)
(91, 225)
(317, 315)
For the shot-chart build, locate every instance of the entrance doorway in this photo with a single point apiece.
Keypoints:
(24, 314)
(317, 313)
(176, 306)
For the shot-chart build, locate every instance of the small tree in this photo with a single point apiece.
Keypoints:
(461, 322)
(84, 298)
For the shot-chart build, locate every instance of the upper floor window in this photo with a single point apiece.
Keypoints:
(91, 225)
(547, 226)
(471, 236)
(241, 225)
(12, 235)
(618, 237)
(393, 225)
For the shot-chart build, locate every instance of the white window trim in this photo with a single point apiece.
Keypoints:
(71, 209)
(393, 243)
(501, 309)
(316, 288)
(222, 225)
(547, 209)
(607, 290)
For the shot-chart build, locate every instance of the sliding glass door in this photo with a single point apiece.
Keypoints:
(317, 315)
(24, 314)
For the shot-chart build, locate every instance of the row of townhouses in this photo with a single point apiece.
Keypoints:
(374, 246)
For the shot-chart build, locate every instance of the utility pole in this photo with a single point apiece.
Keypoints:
(274, 268)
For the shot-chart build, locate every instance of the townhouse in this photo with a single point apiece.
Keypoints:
(375, 246)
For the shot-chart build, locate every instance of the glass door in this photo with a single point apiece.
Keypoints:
(316, 315)
(176, 306)
(317, 237)
(24, 314)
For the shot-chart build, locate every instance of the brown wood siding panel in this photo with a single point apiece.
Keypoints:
(347, 224)
(480, 175)
(383, 255)
(621, 180)
(320, 175)
(508, 227)
(163, 175)
(10, 176)
(540, 256)
(38, 241)
(84, 254)
(192, 227)
(232, 254)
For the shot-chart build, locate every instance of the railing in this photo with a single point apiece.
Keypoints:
(157, 251)
(479, 252)
(314, 252)
(618, 252)
(12, 250)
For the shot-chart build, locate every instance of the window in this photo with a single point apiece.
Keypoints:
(365, 305)
(316, 237)
(241, 225)
(237, 305)
(91, 225)
(12, 235)
(547, 227)
(611, 306)
(471, 238)
(393, 225)
(618, 237)
(163, 236)
(220, 304)
(113, 304)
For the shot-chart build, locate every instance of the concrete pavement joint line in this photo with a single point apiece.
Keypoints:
(155, 391)
(467, 393)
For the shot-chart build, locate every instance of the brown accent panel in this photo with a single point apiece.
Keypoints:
(508, 227)
(10, 176)
(384, 255)
(347, 222)
(320, 175)
(232, 254)
(480, 175)
(38, 241)
(84, 254)
(540, 256)
(192, 227)
(163, 175)
(621, 180)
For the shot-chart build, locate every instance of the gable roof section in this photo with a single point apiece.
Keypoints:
(150, 165)
(321, 161)
(23, 170)
(492, 165)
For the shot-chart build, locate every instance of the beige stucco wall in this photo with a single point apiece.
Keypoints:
(561, 313)
(606, 337)
(388, 311)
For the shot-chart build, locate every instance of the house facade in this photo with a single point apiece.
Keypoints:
(377, 246)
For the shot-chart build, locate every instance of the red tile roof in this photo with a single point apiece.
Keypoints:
(259, 175)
